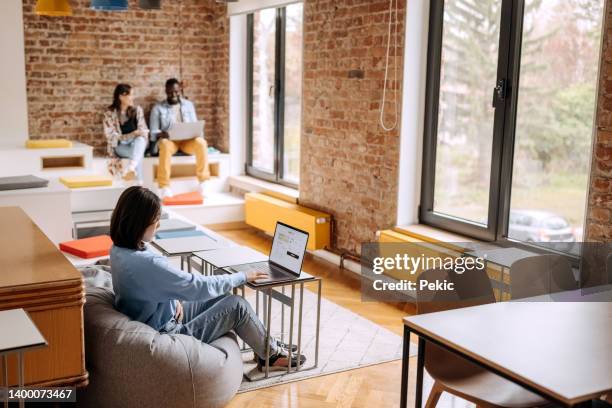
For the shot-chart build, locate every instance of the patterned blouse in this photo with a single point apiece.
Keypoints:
(112, 131)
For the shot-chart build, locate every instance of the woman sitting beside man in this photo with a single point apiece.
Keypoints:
(126, 132)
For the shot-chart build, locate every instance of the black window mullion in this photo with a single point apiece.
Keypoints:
(507, 162)
(501, 102)
(434, 57)
(249, 101)
(279, 93)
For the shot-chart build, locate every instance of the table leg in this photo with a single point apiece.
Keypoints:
(242, 290)
(316, 364)
(182, 263)
(188, 259)
(299, 340)
(268, 337)
(503, 283)
(5, 375)
(291, 326)
(418, 400)
(405, 365)
(283, 319)
(264, 302)
(20, 368)
(257, 302)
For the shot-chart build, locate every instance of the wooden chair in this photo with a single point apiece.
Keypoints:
(452, 373)
(541, 275)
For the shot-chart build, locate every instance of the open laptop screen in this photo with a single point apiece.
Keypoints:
(288, 247)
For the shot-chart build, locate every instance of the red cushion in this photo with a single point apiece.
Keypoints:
(92, 247)
(193, 198)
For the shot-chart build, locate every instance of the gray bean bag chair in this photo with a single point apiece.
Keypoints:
(132, 365)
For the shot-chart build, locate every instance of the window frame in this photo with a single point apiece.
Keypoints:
(277, 176)
(500, 189)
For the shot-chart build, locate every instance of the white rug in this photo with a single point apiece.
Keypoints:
(347, 341)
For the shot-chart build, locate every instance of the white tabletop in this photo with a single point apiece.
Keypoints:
(562, 349)
(18, 332)
(187, 245)
(602, 293)
(231, 256)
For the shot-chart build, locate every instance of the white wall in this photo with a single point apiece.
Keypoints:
(237, 94)
(413, 111)
(13, 103)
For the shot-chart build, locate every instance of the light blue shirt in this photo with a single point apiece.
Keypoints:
(162, 117)
(147, 287)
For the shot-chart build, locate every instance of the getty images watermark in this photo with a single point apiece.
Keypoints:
(472, 272)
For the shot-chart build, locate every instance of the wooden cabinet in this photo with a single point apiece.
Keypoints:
(36, 276)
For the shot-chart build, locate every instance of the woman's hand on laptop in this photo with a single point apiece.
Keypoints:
(252, 276)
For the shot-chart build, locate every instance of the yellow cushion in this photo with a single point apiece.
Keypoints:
(48, 143)
(86, 181)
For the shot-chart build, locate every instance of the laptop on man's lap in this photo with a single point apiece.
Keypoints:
(286, 256)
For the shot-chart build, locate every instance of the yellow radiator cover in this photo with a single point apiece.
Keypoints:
(443, 249)
(263, 211)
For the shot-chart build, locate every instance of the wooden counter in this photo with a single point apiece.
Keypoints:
(35, 276)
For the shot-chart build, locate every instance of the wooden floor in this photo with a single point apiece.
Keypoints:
(374, 386)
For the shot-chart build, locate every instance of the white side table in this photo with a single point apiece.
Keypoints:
(18, 333)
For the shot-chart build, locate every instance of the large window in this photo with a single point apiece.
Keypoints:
(511, 94)
(275, 93)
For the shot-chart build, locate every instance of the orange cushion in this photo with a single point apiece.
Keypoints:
(92, 247)
(193, 198)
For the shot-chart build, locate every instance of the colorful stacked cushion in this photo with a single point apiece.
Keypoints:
(21, 182)
(193, 198)
(86, 181)
(48, 143)
(92, 247)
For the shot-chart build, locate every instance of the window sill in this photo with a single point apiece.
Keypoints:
(443, 238)
(255, 185)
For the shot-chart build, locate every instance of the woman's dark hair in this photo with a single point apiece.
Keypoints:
(122, 89)
(136, 210)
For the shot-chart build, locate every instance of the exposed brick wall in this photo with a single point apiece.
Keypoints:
(73, 64)
(349, 165)
(598, 225)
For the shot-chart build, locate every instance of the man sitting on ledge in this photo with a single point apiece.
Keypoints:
(165, 113)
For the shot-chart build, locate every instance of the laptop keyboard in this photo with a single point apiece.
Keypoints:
(258, 267)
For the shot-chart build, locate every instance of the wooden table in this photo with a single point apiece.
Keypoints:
(35, 276)
(561, 351)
